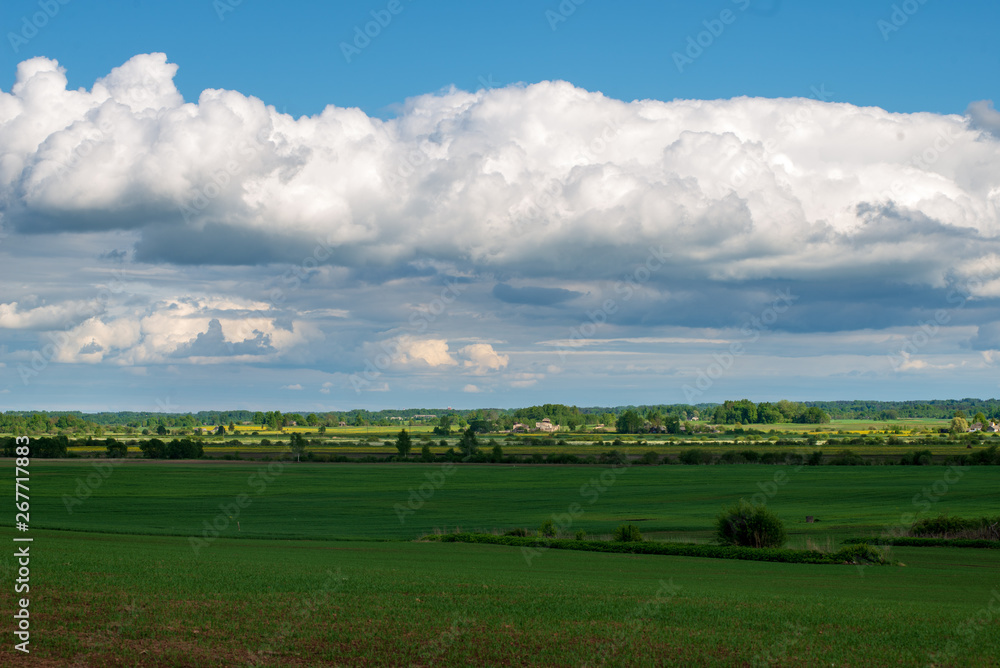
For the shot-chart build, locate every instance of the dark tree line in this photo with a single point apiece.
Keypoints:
(745, 411)
(179, 448)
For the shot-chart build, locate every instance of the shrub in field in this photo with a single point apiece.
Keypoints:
(749, 525)
(983, 528)
(425, 453)
(116, 449)
(154, 448)
(581, 535)
(751, 456)
(614, 457)
(627, 533)
(517, 532)
(987, 456)
(917, 458)
(847, 458)
(651, 458)
(548, 529)
(941, 526)
(695, 456)
(860, 553)
(815, 458)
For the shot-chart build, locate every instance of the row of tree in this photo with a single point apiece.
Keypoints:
(745, 411)
(654, 417)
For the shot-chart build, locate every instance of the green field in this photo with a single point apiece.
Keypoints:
(321, 547)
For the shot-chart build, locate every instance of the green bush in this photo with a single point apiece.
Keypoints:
(614, 457)
(116, 449)
(749, 525)
(917, 458)
(651, 458)
(984, 528)
(627, 533)
(987, 456)
(581, 535)
(928, 542)
(695, 456)
(860, 553)
(517, 532)
(847, 458)
(548, 529)
(773, 458)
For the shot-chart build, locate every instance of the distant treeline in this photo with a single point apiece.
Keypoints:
(47, 447)
(742, 411)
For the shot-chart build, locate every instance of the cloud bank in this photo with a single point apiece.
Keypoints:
(539, 180)
(550, 213)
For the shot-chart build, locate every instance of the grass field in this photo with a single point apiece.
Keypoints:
(302, 583)
(358, 501)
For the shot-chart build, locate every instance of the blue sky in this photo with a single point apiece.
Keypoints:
(289, 55)
(220, 204)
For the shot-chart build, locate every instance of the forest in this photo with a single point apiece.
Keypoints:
(741, 411)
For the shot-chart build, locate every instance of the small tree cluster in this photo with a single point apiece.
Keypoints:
(749, 525)
(627, 533)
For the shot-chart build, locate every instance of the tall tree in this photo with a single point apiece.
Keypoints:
(629, 422)
(298, 445)
(469, 445)
(403, 443)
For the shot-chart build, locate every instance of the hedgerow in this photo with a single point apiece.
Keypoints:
(843, 556)
(905, 541)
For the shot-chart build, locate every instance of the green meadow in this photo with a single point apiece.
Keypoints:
(315, 564)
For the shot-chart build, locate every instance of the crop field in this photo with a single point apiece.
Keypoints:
(829, 442)
(279, 563)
